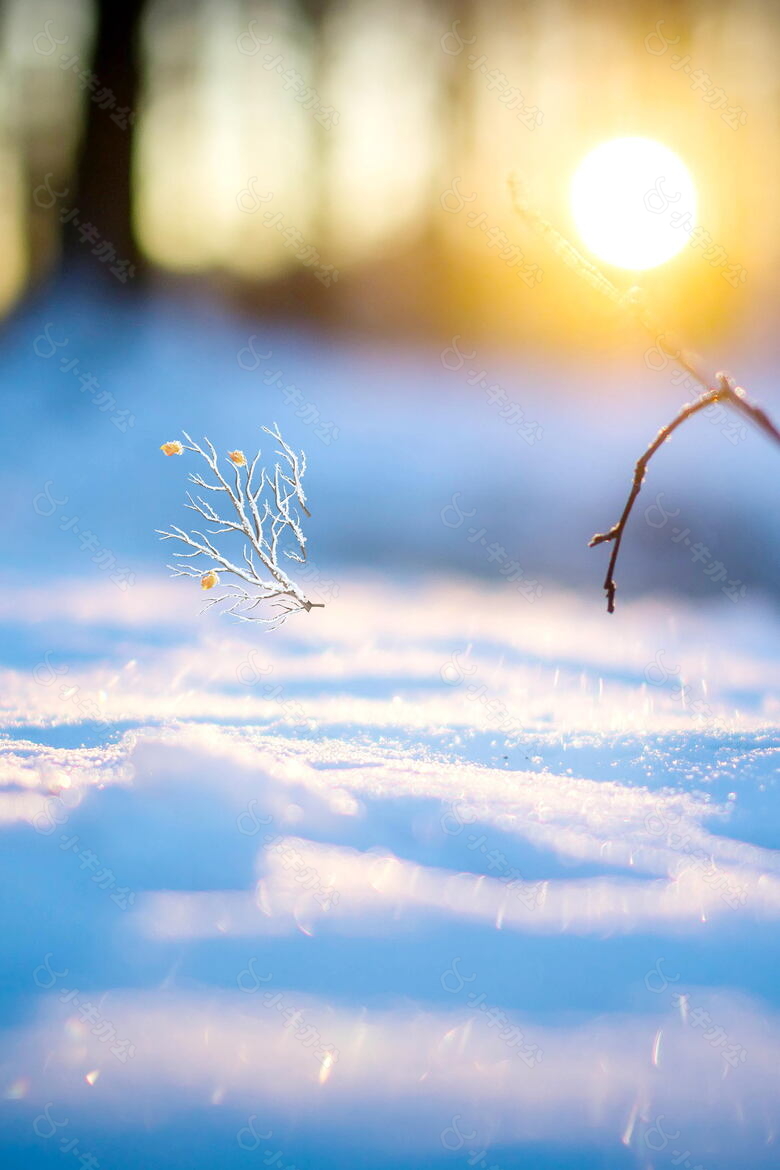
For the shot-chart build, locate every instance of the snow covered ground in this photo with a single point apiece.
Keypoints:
(434, 876)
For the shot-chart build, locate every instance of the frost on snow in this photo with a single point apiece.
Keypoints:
(267, 517)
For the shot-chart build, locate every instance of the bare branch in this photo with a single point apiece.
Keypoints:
(726, 392)
(616, 532)
(634, 301)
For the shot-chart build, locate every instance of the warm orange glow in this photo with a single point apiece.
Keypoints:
(631, 199)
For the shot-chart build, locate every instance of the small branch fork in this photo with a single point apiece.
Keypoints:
(634, 301)
(269, 522)
(725, 392)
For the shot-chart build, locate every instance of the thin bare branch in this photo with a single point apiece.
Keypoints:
(615, 533)
(634, 301)
(725, 392)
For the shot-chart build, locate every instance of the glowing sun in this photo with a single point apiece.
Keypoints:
(624, 195)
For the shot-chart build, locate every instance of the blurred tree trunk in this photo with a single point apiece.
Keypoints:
(103, 179)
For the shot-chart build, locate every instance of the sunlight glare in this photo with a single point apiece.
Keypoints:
(631, 201)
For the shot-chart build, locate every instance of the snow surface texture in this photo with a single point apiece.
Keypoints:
(434, 876)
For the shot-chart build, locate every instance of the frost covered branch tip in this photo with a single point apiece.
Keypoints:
(263, 513)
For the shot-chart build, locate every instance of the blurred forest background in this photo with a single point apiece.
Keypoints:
(331, 179)
(151, 119)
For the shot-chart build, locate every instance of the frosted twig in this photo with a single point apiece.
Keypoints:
(266, 518)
